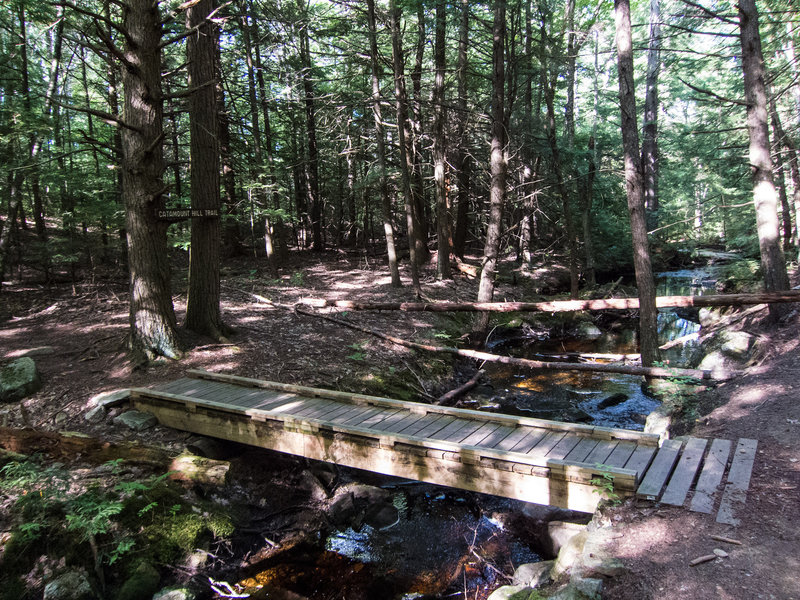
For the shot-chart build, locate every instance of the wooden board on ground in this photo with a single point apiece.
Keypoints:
(711, 477)
(660, 470)
(685, 472)
(738, 481)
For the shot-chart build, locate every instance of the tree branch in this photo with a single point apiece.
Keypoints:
(196, 28)
(706, 92)
(711, 13)
(104, 116)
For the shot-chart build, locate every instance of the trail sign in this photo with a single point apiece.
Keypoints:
(178, 214)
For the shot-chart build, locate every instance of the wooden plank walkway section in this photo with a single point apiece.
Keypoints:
(562, 464)
(546, 462)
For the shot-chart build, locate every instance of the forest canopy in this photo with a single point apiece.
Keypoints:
(346, 124)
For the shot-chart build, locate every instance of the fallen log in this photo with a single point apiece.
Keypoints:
(561, 305)
(70, 446)
(455, 394)
(528, 363)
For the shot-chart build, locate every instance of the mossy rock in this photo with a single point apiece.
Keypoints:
(142, 583)
(19, 379)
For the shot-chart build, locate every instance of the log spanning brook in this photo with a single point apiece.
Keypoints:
(554, 306)
(546, 462)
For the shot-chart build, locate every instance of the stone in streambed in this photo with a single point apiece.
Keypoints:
(612, 400)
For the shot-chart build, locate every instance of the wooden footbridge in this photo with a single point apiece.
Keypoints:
(568, 465)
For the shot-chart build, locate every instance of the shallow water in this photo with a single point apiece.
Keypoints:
(556, 395)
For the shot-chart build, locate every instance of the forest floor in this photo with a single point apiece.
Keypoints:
(76, 335)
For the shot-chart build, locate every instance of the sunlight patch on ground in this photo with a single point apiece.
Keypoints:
(743, 401)
(658, 533)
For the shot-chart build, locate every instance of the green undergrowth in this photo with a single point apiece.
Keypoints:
(101, 521)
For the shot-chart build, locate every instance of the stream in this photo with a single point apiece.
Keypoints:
(400, 540)
(609, 400)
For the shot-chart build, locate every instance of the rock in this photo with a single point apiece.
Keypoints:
(381, 516)
(580, 588)
(570, 554)
(719, 364)
(533, 574)
(109, 399)
(96, 414)
(175, 594)
(19, 379)
(659, 421)
(513, 592)
(356, 504)
(612, 400)
(209, 448)
(708, 316)
(601, 566)
(136, 420)
(544, 512)
(343, 509)
(69, 586)
(586, 330)
(143, 583)
(737, 345)
(558, 534)
(720, 552)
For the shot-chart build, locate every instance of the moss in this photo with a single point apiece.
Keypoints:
(220, 525)
(168, 538)
(142, 583)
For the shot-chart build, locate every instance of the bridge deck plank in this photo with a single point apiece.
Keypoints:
(476, 437)
(658, 473)
(711, 477)
(738, 481)
(685, 472)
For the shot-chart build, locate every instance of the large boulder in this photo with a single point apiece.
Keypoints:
(18, 379)
(72, 585)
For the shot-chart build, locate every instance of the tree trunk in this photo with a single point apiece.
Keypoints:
(380, 142)
(403, 130)
(586, 196)
(202, 305)
(152, 317)
(765, 196)
(414, 143)
(498, 167)
(230, 226)
(439, 158)
(461, 155)
(648, 314)
(650, 118)
(569, 221)
(312, 166)
(116, 193)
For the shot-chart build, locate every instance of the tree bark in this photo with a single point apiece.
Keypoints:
(461, 156)
(439, 158)
(312, 164)
(380, 143)
(152, 316)
(648, 315)
(403, 130)
(765, 196)
(203, 314)
(498, 167)
(650, 118)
